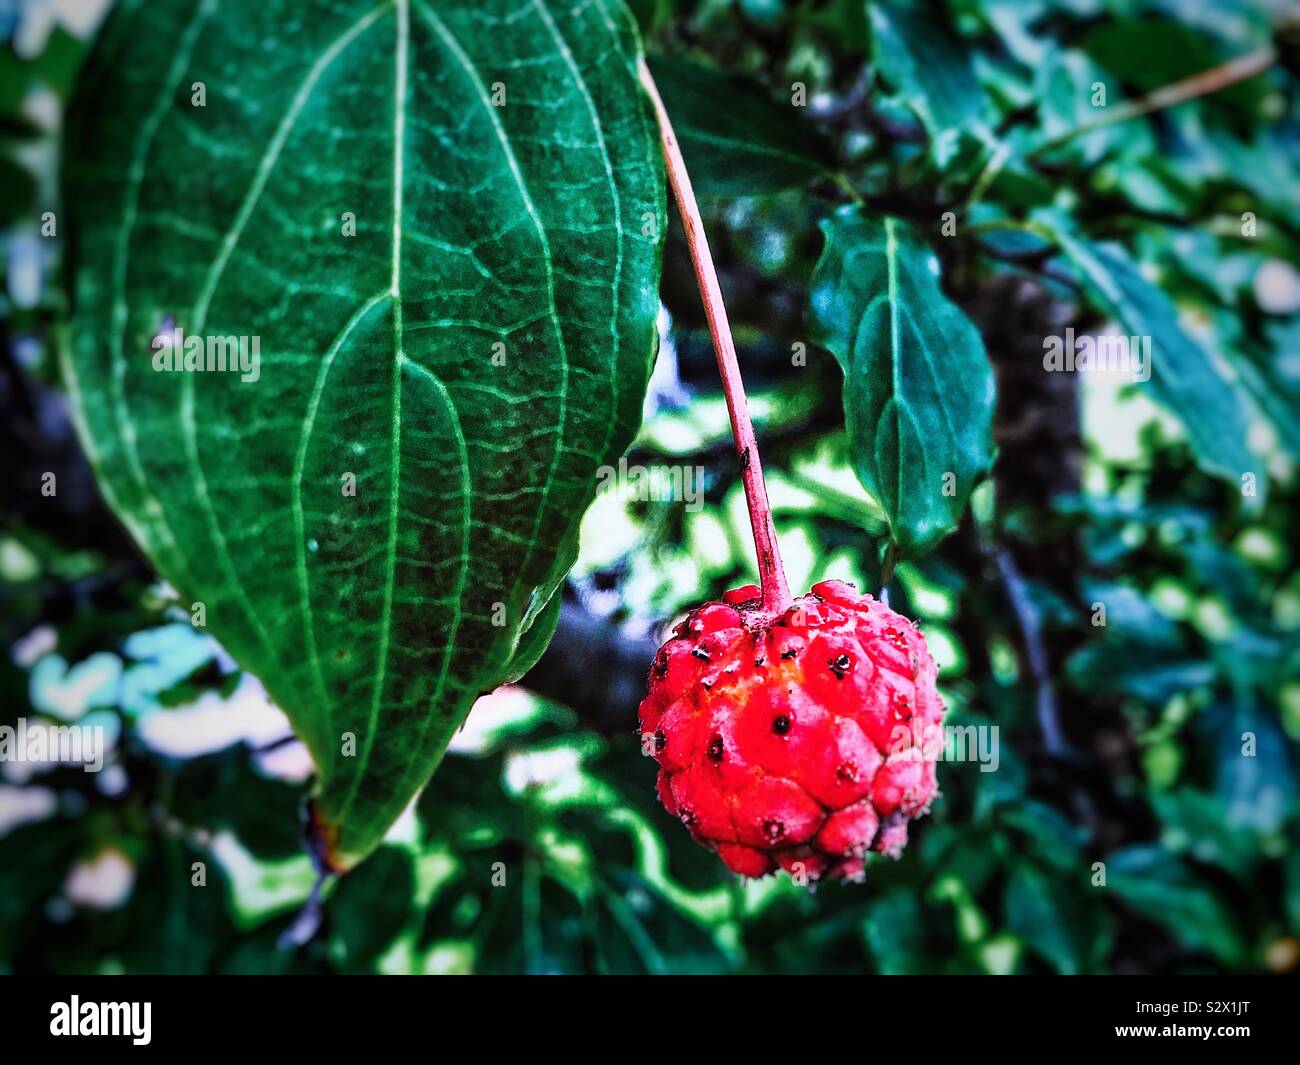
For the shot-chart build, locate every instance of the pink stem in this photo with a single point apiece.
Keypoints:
(776, 592)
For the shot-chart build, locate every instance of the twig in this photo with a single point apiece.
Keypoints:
(276, 744)
(307, 921)
(1243, 68)
(1049, 714)
(993, 166)
(1048, 709)
(775, 590)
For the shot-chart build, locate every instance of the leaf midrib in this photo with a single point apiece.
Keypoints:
(544, 278)
(216, 272)
(400, 60)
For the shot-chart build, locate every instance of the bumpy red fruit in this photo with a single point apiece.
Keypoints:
(799, 742)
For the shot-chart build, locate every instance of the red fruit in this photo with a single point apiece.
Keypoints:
(797, 742)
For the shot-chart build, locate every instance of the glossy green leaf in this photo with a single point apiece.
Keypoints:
(932, 72)
(376, 517)
(1209, 403)
(736, 139)
(918, 389)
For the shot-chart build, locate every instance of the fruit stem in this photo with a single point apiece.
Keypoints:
(775, 590)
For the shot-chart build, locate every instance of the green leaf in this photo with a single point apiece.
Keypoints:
(1195, 823)
(1164, 889)
(1055, 920)
(1048, 835)
(1273, 378)
(640, 930)
(512, 231)
(1133, 616)
(1063, 84)
(1263, 164)
(931, 70)
(1149, 53)
(736, 139)
(370, 908)
(894, 930)
(1148, 672)
(1184, 378)
(535, 639)
(918, 389)
(1254, 783)
(174, 926)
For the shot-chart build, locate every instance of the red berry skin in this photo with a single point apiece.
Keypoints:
(848, 831)
(800, 742)
(747, 861)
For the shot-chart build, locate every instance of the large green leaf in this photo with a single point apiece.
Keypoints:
(736, 139)
(470, 355)
(1208, 402)
(918, 389)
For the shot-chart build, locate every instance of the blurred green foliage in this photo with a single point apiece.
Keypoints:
(540, 846)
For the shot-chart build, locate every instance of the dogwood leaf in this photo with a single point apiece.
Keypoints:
(750, 146)
(438, 221)
(918, 388)
(1204, 394)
